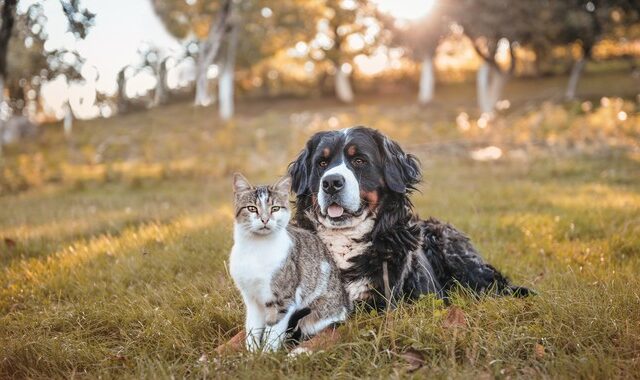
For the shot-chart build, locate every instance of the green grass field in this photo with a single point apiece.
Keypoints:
(115, 244)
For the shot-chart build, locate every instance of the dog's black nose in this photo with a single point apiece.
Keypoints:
(332, 183)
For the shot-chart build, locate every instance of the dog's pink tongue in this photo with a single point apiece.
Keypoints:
(335, 211)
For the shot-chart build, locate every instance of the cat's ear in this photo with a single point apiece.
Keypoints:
(240, 183)
(283, 185)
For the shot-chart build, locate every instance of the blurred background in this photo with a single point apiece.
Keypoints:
(86, 59)
(121, 122)
(149, 91)
(95, 92)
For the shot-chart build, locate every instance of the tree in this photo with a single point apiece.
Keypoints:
(30, 64)
(206, 21)
(420, 39)
(346, 29)
(253, 30)
(6, 29)
(586, 22)
(490, 24)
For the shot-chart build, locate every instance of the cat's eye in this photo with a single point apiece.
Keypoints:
(275, 208)
(252, 208)
(323, 163)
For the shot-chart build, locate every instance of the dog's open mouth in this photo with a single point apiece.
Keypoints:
(337, 213)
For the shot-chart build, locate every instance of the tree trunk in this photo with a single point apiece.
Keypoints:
(161, 93)
(203, 97)
(68, 120)
(207, 54)
(226, 82)
(344, 93)
(574, 78)
(427, 81)
(6, 29)
(490, 84)
(482, 88)
(2, 120)
(497, 81)
(123, 101)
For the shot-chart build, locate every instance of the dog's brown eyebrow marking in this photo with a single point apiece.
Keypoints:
(325, 152)
(351, 150)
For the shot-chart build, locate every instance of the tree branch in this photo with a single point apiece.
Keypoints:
(512, 54)
(216, 32)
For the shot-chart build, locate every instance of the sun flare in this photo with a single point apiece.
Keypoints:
(406, 9)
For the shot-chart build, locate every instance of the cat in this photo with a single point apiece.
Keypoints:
(286, 275)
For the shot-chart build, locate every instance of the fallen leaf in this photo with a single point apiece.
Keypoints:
(10, 243)
(414, 359)
(455, 318)
(119, 357)
(538, 351)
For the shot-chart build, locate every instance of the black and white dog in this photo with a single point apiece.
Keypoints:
(353, 189)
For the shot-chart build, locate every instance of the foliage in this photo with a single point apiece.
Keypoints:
(29, 64)
(266, 26)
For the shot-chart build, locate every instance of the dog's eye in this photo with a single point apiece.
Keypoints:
(323, 163)
(358, 161)
(275, 208)
(252, 208)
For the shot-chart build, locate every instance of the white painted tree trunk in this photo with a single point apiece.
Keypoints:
(227, 76)
(203, 96)
(68, 120)
(482, 87)
(427, 81)
(344, 93)
(498, 80)
(574, 78)
(490, 84)
(207, 52)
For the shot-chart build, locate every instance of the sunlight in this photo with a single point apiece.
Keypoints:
(406, 9)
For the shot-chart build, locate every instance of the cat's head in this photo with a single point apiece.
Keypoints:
(261, 210)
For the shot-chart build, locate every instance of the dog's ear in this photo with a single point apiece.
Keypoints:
(300, 169)
(401, 170)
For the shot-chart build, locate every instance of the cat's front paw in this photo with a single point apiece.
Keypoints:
(252, 343)
(273, 344)
(274, 338)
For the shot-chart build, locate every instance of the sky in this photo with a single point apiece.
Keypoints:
(121, 28)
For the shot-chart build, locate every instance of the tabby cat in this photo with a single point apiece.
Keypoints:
(286, 275)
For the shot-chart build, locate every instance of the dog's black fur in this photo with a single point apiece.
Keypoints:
(423, 256)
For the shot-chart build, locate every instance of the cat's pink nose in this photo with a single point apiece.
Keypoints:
(265, 221)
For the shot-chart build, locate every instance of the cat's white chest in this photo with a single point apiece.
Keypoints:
(255, 260)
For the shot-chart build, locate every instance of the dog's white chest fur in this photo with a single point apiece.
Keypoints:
(254, 261)
(345, 244)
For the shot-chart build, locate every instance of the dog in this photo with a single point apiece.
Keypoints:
(353, 189)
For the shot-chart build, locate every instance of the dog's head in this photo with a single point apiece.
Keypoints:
(343, 175)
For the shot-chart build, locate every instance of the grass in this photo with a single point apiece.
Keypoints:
(115, 244)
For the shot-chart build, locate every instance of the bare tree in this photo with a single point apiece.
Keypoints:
(208, 51)
(8, 19)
